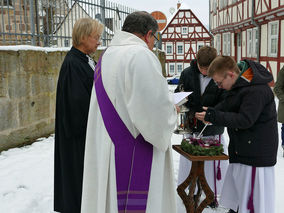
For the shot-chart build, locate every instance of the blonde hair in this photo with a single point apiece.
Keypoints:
(85, 27)
(221, 64)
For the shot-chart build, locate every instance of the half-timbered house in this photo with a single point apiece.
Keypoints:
(251, 29)
(182, 38)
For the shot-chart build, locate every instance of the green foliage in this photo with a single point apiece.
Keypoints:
(201, 151)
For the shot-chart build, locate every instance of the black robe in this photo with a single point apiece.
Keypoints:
(72, 107)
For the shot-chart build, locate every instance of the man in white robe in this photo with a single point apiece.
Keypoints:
(132, 78)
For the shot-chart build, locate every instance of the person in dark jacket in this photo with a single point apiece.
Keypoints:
(72, 107)
(204, 93)
(249, 113)
(279, 92)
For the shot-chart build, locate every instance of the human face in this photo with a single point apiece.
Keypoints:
(224, 81)
(90, 43)
(150, 39)
(203, 70)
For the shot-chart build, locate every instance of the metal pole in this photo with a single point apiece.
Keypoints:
(103, 3)
(32, 22)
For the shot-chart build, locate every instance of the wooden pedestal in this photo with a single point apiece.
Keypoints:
(196, 177)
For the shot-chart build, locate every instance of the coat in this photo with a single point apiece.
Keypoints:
(279, 91)
(249, 113)
(72, 106)
(133, 80)
(189, 82)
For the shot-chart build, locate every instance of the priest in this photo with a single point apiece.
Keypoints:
(128, 161)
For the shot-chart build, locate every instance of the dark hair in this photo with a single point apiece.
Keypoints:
(140, 22)
(221, 64)
(206, 55)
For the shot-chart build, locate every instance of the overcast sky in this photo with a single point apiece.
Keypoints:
(199, 7)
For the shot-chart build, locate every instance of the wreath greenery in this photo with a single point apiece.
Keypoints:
(201, 151)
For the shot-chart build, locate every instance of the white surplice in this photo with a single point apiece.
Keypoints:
(132, 77)
(237, 189)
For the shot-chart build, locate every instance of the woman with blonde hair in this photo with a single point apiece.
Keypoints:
(72, 106)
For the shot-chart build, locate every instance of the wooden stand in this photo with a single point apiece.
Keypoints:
(196, 177)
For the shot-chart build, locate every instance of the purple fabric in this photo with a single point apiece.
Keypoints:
(250, 202)
(215, 185)
(133, 156)
(219, 174)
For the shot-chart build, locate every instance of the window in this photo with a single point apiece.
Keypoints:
(179, 68)
(199, 46)
(223, 4)
(273, 38)
(218, 43)
(66, 43)
(172, 69)
(234, 1)
(169, 49)
(214, 6)
(184, 30)
(227, 44)
(254, 42)
(8, 3)
(180, 49)
(249, 43)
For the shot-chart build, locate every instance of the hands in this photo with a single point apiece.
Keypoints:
(201, 115)
(177, 108)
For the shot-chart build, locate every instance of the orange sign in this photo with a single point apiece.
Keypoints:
(161, 19)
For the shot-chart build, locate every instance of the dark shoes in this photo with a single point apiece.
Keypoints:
(213, 205)
(232, 211)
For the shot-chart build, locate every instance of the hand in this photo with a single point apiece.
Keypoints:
(177, 108)
(200, 116)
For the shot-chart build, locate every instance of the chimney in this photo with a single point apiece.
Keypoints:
(178, 5)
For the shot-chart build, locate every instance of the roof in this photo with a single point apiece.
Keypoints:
(187, 10)
(183, 6)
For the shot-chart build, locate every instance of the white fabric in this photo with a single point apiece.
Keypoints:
(185, 166)
(91, 63)
(132, 77)
(237, 189)
(204, 81)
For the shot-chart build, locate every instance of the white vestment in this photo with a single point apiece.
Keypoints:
(132, 78)
(237, 189)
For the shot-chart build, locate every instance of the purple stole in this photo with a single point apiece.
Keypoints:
(133, 156)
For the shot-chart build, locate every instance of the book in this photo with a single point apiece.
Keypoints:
(180, 98)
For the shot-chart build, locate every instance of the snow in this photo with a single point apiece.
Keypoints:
(26, 177)
(34, 48)
(44, 49)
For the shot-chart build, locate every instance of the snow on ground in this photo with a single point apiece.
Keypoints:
(26, 178)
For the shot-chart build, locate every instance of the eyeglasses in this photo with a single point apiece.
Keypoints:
(156, 39)
(219, 84)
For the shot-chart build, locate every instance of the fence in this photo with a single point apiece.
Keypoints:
(50, 22)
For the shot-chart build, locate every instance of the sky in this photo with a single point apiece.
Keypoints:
(199, 7)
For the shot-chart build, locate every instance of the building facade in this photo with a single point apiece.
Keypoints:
(249, 29)
(182, 38)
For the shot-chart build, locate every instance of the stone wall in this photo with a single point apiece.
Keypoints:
(28, 81)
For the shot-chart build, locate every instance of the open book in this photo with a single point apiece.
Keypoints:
(180, 98)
